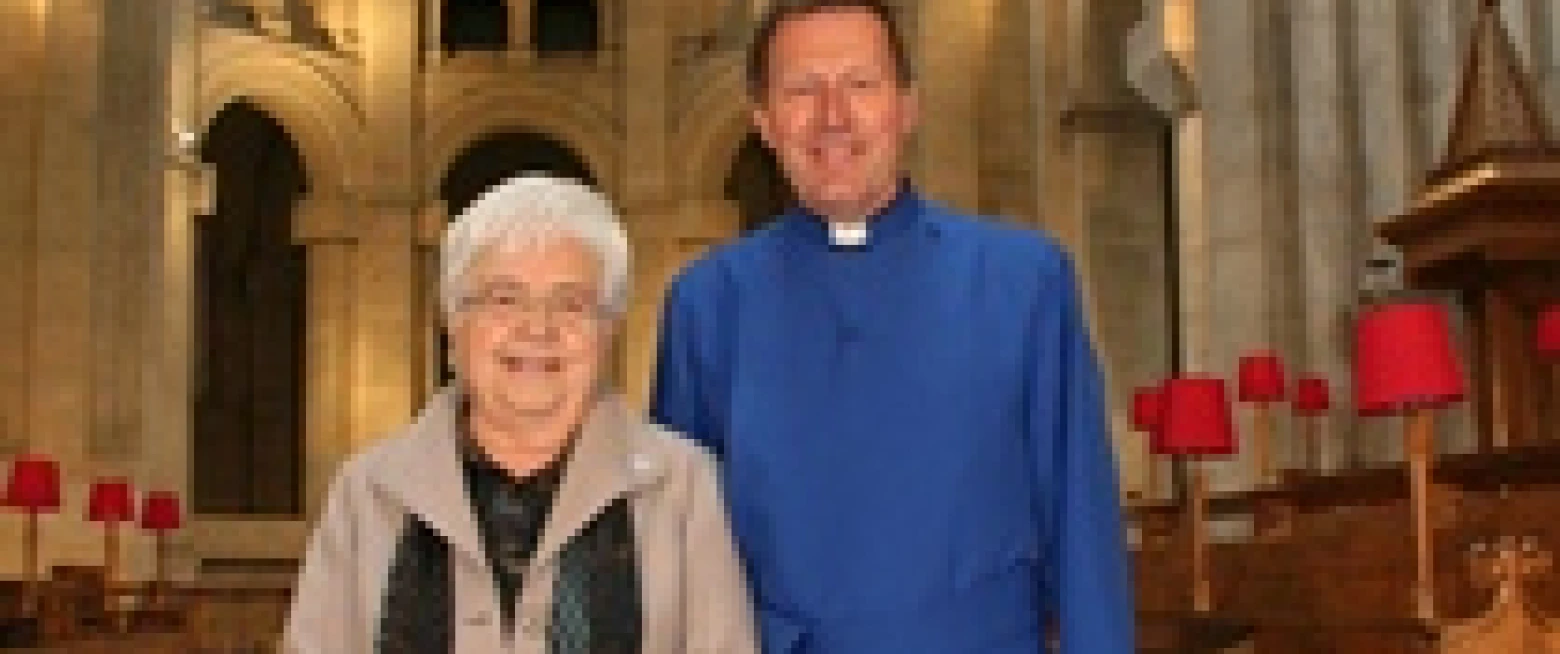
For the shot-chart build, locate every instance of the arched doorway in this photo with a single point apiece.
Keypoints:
(756, 184)
(565, 27)
(483, 164)
(248, 381)
(474, 25)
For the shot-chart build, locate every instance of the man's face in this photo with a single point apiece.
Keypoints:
(834, 111)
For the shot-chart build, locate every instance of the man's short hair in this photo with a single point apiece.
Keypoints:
(781, 11)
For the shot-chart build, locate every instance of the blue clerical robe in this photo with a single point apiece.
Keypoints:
(911, 435)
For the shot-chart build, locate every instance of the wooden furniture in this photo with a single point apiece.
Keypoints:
(1486, 225)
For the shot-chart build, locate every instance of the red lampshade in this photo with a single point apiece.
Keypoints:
(110, 501)
(1197, 418)
(1312, 396)
(34, 485)
(1261, 377)
(1148, 409)
(1549, 332)
(160, 511)
(1404, 359)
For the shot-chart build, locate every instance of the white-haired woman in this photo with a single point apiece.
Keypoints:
(525, 509)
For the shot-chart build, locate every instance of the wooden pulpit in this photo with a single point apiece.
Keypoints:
(1486, 225)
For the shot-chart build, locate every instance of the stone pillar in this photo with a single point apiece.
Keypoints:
(1054, 173)
(520, 44)
(385, 346)
(134, 142)
(1439, 60)
(1325, 210)
(644, 188)
(1007, 126)
(22, 85)
(1116, 147)
(68, 212)
(323, 224)
(1547, 57)
(951, 44)
(1244, 303)
(187, 194)
(384, 258)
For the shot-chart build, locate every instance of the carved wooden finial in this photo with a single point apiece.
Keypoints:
(1512, 561)
(1497, 109)
(1510, 625)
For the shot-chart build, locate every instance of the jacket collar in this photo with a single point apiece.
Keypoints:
(900, 215)
(423, 473)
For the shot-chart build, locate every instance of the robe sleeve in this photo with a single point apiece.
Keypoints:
(1085, 575)
(677, 397)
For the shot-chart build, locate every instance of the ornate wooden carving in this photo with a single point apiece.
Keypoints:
(1487, 225)
(1511, 625)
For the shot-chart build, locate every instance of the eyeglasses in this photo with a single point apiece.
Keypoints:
(574, 310)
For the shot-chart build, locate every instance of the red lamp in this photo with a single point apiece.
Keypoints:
(1548, 332)
(1313, 398)
(1148, 409)
(110, 501)
(1261, 382)
(1261, 377)
(1404, 359)
(1405, 364)
(1197, 420)
(1197, 423)
(160, 514)
(34, 487)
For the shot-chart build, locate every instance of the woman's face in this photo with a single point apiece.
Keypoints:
(530, 333)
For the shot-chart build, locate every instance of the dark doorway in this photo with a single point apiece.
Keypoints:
(250, 290)
(757, 185)
(475, 25)
(565, 27)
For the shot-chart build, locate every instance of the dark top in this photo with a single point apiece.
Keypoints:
(596, 606)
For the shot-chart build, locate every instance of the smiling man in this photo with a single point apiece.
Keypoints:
(904, 402)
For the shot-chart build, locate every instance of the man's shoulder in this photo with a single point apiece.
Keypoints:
(994, 236)
(712, 272)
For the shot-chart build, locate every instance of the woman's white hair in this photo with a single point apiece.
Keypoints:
(526, 210)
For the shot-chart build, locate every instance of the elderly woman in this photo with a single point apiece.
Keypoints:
(525, 509)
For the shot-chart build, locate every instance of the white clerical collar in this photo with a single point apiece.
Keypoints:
(848, 234)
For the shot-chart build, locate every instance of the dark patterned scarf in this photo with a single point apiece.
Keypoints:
(596, 605)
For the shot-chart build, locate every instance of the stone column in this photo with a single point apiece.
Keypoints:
(187, 194)
(1008, 129)
(1547, 57)
(22, 85)
(134, 142)
(951, 43)
(1325, 210)
(68, 212)
(384, 260)
(1245, 302)
(323, 224)
(1439, 62)
(1054, 173)
(1117, 147)
(644, 188)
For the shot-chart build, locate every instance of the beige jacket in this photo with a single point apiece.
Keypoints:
(695, 598)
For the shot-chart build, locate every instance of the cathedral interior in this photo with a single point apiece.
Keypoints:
(219, 218)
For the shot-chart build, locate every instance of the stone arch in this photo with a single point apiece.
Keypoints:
(540, 111)
(320, 116)
(716, 124)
